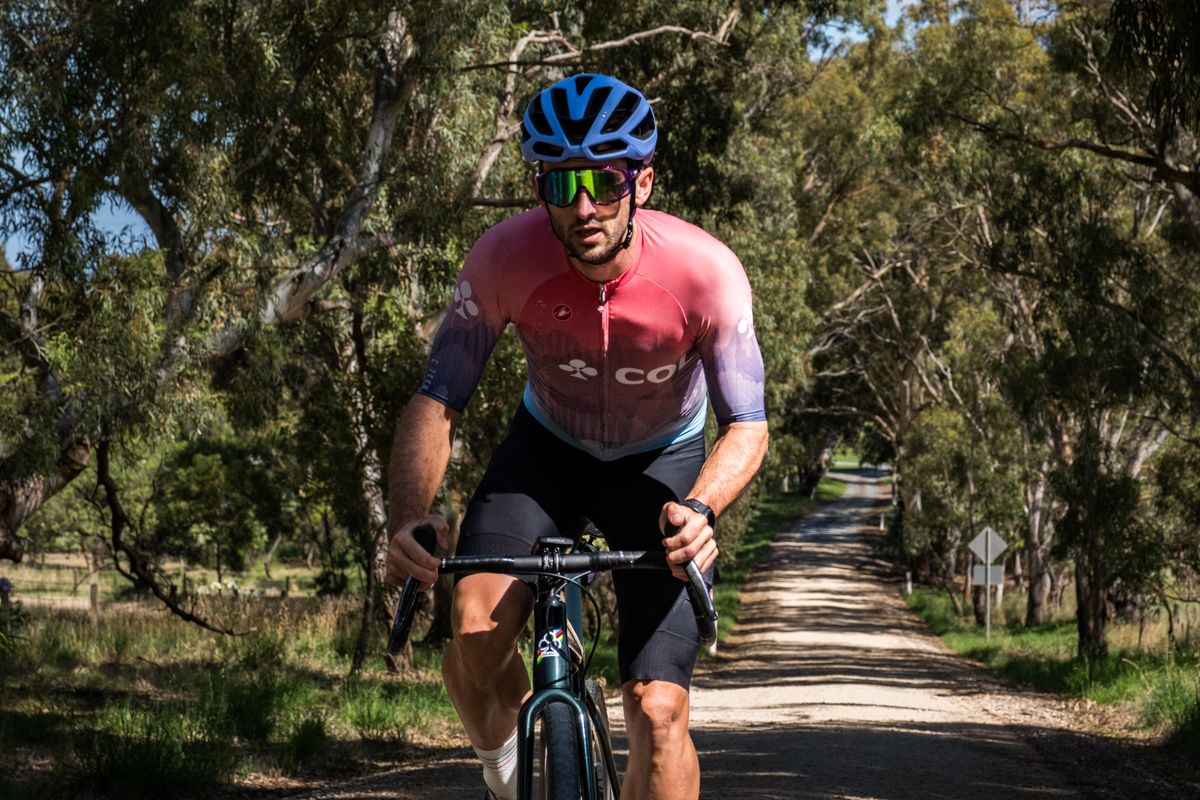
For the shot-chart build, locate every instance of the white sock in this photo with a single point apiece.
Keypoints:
(500, 768)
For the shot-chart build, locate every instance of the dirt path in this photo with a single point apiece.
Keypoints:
(831, 689)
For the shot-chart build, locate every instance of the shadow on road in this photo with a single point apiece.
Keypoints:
(915, 761)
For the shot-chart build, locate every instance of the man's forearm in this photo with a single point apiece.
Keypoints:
(736, 456)
(420, 453)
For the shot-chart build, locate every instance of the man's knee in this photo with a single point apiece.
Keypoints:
(487, 616)
(657, 709)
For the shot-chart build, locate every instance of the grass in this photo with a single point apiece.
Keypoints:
(1161, 686)
(140, 704)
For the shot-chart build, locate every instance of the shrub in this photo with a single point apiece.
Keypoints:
(307, 738)
(365, 709)
(151, 753)
(1174, 704)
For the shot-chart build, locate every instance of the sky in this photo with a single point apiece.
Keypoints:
(117, 217)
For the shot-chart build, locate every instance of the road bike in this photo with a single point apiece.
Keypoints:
(562, 729)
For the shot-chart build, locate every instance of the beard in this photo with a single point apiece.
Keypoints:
(600, 253)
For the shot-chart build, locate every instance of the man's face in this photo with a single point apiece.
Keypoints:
(592, 232)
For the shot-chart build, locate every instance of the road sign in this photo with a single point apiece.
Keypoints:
(988, 545)
(987, 575)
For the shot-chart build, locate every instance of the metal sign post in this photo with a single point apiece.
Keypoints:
(988, 545)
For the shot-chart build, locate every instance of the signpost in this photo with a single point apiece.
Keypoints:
(987, 546)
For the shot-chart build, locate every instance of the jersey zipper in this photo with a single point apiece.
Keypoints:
(603, 308)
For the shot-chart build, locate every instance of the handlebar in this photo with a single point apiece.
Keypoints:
(551, 563)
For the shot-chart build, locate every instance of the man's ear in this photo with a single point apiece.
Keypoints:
(644, 185)
(533, 181)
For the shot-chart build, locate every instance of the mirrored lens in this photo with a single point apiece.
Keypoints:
(560, 186)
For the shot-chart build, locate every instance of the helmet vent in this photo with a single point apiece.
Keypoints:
(645, 128)
(573, 129)
(621, 113)
(537, 119)
(547, 150)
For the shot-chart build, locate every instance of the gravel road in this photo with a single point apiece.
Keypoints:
(832, 689)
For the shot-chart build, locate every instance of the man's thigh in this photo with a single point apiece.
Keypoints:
(658, 639)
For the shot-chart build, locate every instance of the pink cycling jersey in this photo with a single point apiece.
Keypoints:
(614, 368)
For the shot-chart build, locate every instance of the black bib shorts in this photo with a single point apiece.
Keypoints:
(538, 485)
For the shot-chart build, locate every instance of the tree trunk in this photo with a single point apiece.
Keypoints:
(21, 498)
(1038, 587)
(1091, 595)
(377, 593)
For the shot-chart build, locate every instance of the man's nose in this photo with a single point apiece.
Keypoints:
(585, 206)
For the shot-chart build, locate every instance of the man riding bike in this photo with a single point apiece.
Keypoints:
(632, 320)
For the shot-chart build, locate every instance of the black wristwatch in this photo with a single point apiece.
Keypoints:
(700, 508)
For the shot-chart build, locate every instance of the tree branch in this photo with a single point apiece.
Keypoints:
(139, 573)
(1162, 169)
(289, 299)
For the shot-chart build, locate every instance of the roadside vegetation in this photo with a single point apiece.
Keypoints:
(1156, 681)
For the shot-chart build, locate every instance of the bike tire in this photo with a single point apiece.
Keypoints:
(560, 767)
(605, 790)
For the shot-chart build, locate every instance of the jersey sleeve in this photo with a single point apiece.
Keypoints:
(733, 365)
(470, 329)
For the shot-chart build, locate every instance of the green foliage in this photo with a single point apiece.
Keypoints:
(1163, 687)
(307, 739)
(1158, 38)
(146, 753)
(386, 712)
(220, 500)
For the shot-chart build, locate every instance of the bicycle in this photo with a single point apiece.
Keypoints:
(576, 752)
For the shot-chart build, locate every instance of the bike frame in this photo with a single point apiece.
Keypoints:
(557, 679)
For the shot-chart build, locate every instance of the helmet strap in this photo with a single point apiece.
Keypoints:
(629, 227)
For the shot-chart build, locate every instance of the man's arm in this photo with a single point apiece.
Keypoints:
(736, 456)
(420, 453)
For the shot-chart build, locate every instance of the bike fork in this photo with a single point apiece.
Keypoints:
(583, 740)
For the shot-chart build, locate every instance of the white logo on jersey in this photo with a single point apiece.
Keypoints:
(746, 323)
(463, 304)
(632, 376)
(578, 369)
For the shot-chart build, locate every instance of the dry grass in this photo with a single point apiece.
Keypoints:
(135, 702)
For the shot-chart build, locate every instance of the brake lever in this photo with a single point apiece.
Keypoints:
(702, 605)
(426, 536)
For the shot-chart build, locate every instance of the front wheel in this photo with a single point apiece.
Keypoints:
(559, 769)
(607, 787)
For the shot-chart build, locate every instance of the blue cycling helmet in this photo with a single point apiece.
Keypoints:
(588, 116)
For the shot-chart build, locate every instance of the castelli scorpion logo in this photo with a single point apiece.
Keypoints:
(550, 645)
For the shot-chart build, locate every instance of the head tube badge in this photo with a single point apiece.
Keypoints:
(551, 645)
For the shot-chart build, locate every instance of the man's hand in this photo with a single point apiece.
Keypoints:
(407, 557)
(693, 540)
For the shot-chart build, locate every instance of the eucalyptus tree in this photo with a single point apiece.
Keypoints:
(1101, 298)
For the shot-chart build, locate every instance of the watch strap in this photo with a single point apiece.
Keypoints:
(700, 508)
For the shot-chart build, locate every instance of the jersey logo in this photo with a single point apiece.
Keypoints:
(463, 304)
(562, 313)
(632, 376)
(578, 369)
(746, 323)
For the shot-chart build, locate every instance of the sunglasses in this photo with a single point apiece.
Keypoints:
(560, 187)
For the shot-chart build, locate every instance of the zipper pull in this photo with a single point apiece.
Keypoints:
(603, 298)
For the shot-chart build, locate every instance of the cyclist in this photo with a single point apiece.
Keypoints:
(631, 321)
